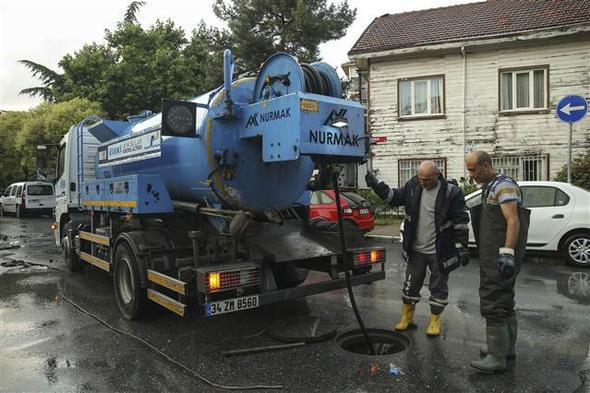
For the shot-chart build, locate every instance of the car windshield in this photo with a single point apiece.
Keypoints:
(39, 189)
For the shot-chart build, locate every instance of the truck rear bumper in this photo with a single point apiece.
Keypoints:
(315, 288)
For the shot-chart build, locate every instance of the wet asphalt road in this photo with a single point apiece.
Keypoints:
(48, 345)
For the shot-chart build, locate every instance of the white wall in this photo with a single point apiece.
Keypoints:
(569, 73)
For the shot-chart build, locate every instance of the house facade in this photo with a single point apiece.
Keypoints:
(488, 76)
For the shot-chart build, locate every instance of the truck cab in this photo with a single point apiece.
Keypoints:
(75, 163)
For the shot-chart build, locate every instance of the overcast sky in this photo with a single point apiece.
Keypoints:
(45, 30)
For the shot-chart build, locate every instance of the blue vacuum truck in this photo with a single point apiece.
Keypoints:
(204, 206)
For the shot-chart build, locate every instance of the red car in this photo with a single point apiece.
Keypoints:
(354, 208)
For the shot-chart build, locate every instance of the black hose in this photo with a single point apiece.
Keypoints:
(315, 82)
(346, 272)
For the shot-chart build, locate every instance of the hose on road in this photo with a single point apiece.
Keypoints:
(177, 363)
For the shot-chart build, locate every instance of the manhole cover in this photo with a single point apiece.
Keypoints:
(384, 342)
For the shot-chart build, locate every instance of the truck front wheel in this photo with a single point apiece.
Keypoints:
(71, 259)
(131, 297)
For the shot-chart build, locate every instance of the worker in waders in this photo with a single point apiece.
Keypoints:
(500, 226)
(435, 238)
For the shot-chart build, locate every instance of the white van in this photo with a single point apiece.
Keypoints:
(28, 197)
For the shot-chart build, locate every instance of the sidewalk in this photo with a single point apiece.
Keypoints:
(385, 230)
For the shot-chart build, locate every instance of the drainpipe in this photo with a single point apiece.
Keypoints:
(464, 105)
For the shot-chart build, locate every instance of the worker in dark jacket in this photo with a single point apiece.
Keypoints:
(500, 225)
(435, 237)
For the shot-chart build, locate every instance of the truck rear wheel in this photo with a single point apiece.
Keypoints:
(287, 275)
(71, 259)
(131, 297)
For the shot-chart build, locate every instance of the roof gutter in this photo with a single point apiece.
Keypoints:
(479, 41)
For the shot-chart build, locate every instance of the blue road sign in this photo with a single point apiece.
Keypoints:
(572, 109)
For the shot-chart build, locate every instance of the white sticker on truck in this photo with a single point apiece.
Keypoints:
(136, 148)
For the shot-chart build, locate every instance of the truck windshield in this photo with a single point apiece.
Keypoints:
(39, 189)
(61, 157)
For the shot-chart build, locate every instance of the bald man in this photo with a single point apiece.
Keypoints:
(500, 225)
(435, 238)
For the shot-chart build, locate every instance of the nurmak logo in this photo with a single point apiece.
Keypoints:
(256, 118)
(334, 114)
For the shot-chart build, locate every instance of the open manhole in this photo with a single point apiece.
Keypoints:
(384, 342)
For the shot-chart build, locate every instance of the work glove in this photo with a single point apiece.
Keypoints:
(462, 254)
(380, 188)
(506, 263)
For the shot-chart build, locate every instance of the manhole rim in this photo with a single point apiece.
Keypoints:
(358, 333)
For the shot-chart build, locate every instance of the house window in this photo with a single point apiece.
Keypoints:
(524, 89)
(525, 167)
(407, 168)
(420, 97)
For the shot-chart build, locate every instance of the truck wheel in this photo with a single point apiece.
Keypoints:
(576, 249)
(71, 259)
(288, 276)
(131, 297)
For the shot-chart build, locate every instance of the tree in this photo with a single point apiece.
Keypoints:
(10, 124)
(580, 172)
(47, 124)
(135, 68)
(130, 14)
(259, 28)
(50, 79)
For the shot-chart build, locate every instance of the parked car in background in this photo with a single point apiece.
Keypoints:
(355, 209)
(28, 197)
(560, 219)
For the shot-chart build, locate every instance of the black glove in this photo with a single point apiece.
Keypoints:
(506, 263)
(380, 188)
(371, 180)
(463, 255)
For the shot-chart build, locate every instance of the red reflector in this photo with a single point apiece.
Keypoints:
(362, 257)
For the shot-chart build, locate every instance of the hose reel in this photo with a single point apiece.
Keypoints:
(281, 74)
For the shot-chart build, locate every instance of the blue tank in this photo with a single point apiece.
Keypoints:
(254, 151)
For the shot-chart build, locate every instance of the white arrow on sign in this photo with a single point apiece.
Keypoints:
(568, 108)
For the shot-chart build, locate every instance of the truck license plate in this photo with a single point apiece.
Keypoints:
(231, 305)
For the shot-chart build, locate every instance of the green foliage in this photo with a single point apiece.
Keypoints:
(10, 124)
(580, 172)
(381, 208)
(47, 124)
(259, 28)
(136, 67)
(468, 185)
(50, 79)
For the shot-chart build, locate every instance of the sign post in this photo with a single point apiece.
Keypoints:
(571, 109)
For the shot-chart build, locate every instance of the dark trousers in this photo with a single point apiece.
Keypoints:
(415, 274)
(496, 294)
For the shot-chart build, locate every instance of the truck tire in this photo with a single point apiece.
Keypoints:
(71, 259)
(576, 249)
(288, 276)
(131, 297)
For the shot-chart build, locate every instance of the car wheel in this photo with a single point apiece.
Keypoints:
(131, 297)
(576, 249)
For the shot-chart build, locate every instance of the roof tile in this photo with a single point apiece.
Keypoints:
(490, 18)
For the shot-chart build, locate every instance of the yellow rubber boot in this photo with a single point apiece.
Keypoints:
(434, 326)
(407, 320)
